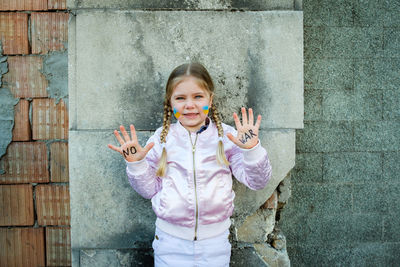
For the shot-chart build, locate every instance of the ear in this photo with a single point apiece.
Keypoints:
(211, 100)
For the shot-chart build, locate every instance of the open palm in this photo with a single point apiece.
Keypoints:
(247, 131)
(130, 148)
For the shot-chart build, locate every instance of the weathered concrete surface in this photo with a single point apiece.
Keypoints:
(55, 69)
(105, 210)
(257, 226)
(281, 150)
(3, 64)
(123, 59)
(116, 257)
(187, 4)
(273, 257)
(7, 102)
(119, 62)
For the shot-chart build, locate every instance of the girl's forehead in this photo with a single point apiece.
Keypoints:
(189, 86)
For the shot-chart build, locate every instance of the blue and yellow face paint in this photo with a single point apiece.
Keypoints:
(205, 109)
(176, 113)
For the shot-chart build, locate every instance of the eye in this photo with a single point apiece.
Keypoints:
(198, 96)
(179, 98)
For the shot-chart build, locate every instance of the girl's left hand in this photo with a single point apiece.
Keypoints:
(247, 131)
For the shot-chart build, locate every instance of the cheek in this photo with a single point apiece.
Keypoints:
(177, 112)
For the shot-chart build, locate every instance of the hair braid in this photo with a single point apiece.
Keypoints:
(162, 164)
(221, 158)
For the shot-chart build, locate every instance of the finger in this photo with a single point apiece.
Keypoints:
(233, 139)
(124, 133)
(258, 122)
(237, 121)
(114, 148)
(244, 116)
(119, 138)
(148, 147)
(133, 133)
(251, 117)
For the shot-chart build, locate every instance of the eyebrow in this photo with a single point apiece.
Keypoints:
(198, 93)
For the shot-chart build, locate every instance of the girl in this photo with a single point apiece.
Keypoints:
(186, 170)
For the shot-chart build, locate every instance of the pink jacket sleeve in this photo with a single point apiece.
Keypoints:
(250, 166)
(142, 174)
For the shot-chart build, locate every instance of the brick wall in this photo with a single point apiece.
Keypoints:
(34, 191)
(344, 208)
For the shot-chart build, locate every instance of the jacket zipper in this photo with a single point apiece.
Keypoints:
(195, 186)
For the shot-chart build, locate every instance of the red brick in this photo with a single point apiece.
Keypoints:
(57, 4)
(14, 33)
(272, 202)
(52, 204)
(24, 77)
(22, 247)
(58, 246)
(49, 120)
(22, 127)
(49, 32)
(59, 162)
(16, 205)
(23, 5)
(25, 162)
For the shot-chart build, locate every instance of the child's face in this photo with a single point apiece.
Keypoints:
(190, 104)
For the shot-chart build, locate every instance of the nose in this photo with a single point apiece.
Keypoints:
(189, 103)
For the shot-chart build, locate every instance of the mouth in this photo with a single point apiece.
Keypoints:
(190, 115)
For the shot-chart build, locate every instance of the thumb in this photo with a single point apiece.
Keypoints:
(148, 147)
(233, 139)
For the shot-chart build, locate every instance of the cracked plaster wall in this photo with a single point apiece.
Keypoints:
(117, 79)
(7, 103)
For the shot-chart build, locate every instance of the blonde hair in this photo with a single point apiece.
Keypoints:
(203, 78)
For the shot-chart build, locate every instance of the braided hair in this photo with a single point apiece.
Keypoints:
(179, 74)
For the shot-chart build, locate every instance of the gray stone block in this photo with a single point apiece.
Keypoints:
(376, 254)
(391, 104)
(366, 42)
(328, 13)
(368, 13)
(370, 198)
(391, 228)
(349, 167)
(308, 168)
(321, 136)
(129, 72)
(312, 105)
(377, 136)
(116, 257)
(392, 42)
(320, 73)
(392, 18)
(391, 166)
(321, 255)
(365, 228)
(379, 73)
(105, 210)
(343, 42)
(322, 199)
(188, 5)
(339, 105)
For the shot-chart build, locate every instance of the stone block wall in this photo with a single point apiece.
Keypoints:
(345, 185)
(34, 179)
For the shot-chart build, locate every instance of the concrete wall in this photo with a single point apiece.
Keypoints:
(344, 208)
(120, 56)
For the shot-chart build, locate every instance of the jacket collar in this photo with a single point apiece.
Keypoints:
(205, 131)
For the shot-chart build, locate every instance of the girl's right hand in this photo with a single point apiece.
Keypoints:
(130, 148)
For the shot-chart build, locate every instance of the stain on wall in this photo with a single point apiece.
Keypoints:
(7, 102)
(55, 69)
